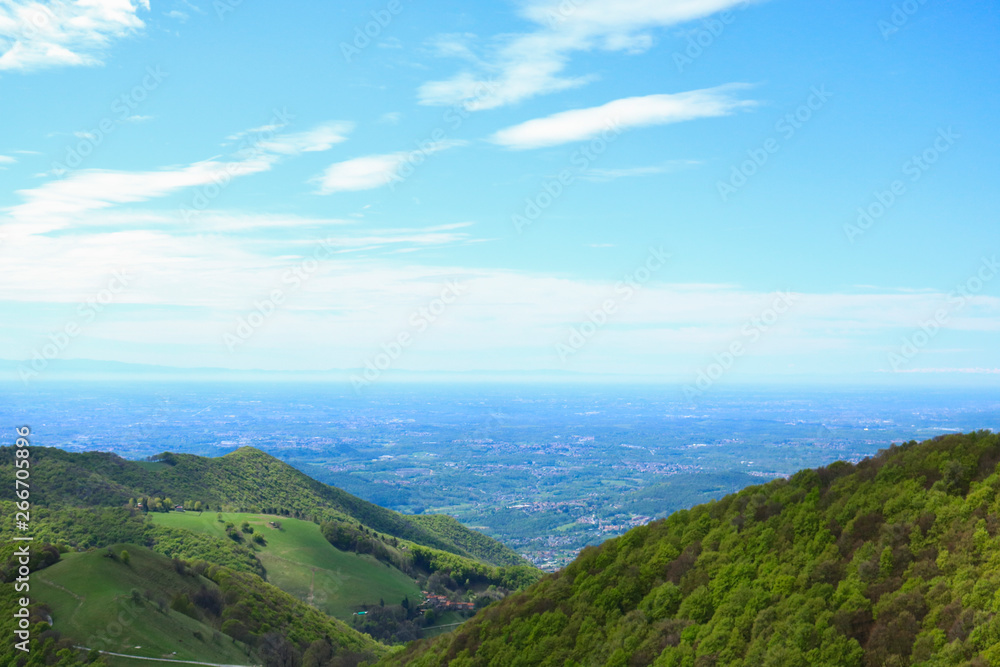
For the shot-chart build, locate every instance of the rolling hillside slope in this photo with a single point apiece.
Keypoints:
(244, 480)
(302, 562)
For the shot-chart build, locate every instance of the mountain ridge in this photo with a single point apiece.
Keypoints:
(246, 479)
(893, 561)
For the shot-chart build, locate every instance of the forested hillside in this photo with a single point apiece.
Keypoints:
(894, 561)
(245, 480)
(105, 535)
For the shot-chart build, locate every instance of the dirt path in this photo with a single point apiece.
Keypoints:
(181, 662)
(62, 588)
(79, 598)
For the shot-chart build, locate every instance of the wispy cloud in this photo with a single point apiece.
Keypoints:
(533, 63)
(52, 203)
(629, 112)
(320, 138)
(55, 204)
(6, 159)
(603, 175)
(372, 171)
(36, 35)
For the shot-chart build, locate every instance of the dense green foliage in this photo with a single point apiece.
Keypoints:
(420, 561)
(472, 542)
(246, 480)
(468, 572)
(894, 561)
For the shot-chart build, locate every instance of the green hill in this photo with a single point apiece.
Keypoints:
(274, 584)
(299, 560)
(126, 599)
(90, 598)
(246, 480)
(891, 562)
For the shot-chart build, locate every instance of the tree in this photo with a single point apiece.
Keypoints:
(125, 557)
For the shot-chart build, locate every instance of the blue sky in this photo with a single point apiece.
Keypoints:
(693, 191)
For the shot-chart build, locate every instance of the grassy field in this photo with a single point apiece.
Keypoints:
(91, 598)
(300, 561)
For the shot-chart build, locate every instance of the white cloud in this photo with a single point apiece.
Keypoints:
(533, 63)
(361, 173)
(373, 171)
(53, 204)
(361, 298)
(619, 115)
(6, 159)
(178, 15)
(57, 203)
(319, 138)
(35, 35)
